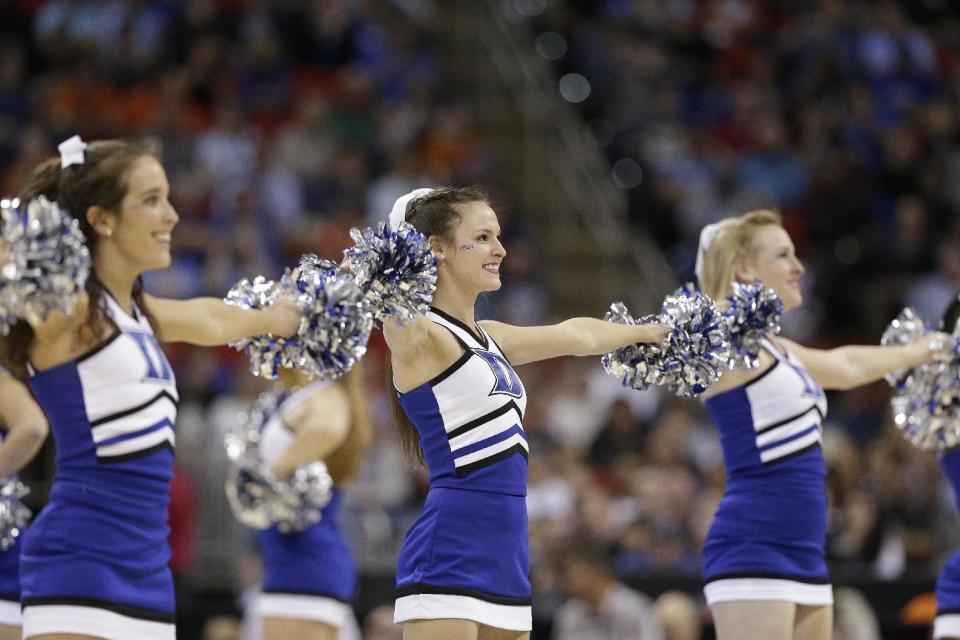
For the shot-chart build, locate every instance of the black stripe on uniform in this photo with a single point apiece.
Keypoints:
(313, 594)
(449, 371)
(133, 455)
(487, 417)
(486, 462)
(794, 454)
(786, 420)
(97, 603)
(132, 410)
(418, 588)
(770, 576)
(481, 338)
(86, 355)
(763, 375)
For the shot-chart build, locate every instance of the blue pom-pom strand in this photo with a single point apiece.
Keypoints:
(752, 312)
(46, 261)
(396, 270)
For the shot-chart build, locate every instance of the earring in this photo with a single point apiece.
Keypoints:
(108, 232)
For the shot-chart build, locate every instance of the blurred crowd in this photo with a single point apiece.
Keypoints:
(282, 124)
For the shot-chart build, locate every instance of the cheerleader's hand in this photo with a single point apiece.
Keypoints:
(285, 317)
(653, 333)
(940, 347)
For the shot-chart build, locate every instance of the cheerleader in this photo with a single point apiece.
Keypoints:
(309, 576)
(25, 428)
(946, 625)
(463, 570)
(764, 557)
(95, 562)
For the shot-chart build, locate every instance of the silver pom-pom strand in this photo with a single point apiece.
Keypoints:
(14, 515)
(46, 261)
(256, 497)
(396, 270)
(752, 312)
(691, 358)
(333, 331)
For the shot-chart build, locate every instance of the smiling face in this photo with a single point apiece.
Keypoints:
(772, 259)
(141, 233)
(472, 260)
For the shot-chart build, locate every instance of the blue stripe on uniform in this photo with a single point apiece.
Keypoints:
(788, 439)
(135, 434)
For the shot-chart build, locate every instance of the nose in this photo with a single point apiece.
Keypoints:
(798, 266)
(171, 215)
(498, 249)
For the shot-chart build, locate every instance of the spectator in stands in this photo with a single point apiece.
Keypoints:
(599, 606)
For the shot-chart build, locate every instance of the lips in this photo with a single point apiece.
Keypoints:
(493, 268)
(162, 237)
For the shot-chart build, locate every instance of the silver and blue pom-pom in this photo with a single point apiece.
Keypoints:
(333, 332)
(266, 351)
(46, 262)
(396, 270)
(14, 516)
(905, 329)
(253, 493)
(926, 406)
(698, 347)
(260, 501)
(303, 496)
(256, 497)
(926, 398)
(633, 365)
(752, 312)
(691, 358)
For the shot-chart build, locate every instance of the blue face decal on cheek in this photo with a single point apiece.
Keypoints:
(465, 247)
(507, 381)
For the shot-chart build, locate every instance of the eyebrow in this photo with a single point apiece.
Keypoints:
(484, 231)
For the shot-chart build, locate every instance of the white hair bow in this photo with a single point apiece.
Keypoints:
(707, 235)
(399, 212)
(71, 151)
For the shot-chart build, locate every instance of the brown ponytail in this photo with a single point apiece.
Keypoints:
(409, 438)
